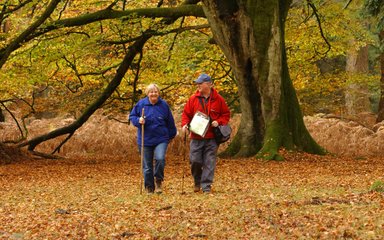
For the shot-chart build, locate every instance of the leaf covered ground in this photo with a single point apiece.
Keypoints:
(303, 197)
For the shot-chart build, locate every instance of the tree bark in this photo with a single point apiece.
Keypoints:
(357, 94)
(380, 114)
(2, 117)
(251, 35)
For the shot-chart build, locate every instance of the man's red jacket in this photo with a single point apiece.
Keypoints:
(214, 106)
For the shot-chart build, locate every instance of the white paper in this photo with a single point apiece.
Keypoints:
(199, 124)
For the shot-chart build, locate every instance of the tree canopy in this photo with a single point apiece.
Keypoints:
(102, 53)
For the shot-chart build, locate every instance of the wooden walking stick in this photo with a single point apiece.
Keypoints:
(142, 153)
(184, 153)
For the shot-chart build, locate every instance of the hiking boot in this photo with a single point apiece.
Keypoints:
(149, 190)
(207, 191)
(158, 186)
(196, 188)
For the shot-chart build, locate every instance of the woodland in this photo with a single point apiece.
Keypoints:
(303, 79)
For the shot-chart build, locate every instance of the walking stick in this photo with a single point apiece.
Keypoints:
(184, 153)
(142, 153)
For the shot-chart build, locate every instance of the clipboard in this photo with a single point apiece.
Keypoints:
(199, 124)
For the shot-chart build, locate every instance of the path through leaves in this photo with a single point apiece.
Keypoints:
(304, 197)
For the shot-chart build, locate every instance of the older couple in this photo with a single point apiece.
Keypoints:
(160, 129)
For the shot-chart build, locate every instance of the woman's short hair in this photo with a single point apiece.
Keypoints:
(150, 87)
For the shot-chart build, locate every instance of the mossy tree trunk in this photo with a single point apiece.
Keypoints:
(251, 35)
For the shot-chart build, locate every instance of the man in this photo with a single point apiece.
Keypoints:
(203, 147)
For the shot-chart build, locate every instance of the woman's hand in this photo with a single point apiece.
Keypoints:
(141, 120)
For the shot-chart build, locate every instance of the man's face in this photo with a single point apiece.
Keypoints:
(204, 88)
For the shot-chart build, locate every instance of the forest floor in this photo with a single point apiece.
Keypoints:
(303, 197)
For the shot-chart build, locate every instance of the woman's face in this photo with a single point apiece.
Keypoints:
(153, 95)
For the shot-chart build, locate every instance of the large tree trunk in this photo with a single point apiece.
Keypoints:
(251, 35)
(380, 114)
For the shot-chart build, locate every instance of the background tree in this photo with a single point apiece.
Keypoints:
(375, 8)
(317, 57)
(251, 35)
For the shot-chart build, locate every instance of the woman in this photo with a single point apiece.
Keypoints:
(159, 129)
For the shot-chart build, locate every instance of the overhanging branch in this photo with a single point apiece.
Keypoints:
(4, 53)
(320, 27)
(111, 87)
(35, 30)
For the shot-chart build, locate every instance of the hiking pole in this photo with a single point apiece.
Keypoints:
(184, 153)
(142, 153)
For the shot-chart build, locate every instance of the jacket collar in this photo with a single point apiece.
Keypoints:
(213, 94)
(147, 102)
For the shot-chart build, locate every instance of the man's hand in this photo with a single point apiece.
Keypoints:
(141, 120)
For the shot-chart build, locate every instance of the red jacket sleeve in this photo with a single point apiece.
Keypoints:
(188, 112)
(225, 115)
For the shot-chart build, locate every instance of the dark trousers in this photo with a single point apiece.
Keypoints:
(202, 158)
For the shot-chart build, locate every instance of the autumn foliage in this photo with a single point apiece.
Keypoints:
(93, 190)
(93, 193)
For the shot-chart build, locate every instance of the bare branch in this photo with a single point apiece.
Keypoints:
(113, 4)
(63, 9)
(45, 155)
(320, 27)
(57, 149)
(160, 3)
(14, 118)
(347, 4)
(174, 40)
(74, 68)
